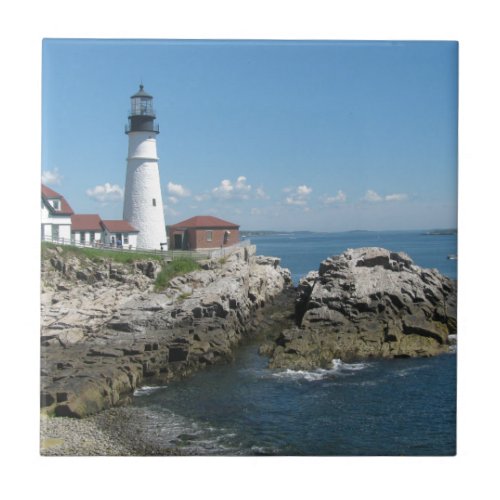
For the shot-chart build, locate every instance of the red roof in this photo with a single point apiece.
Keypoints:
(118, 226)
(205, 221)
(85, 222)
(48, 193)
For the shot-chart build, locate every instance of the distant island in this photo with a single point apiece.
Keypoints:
(247, 234)
(430, 232)
(440, 232)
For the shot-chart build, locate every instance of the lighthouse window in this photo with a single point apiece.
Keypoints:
(154, 202)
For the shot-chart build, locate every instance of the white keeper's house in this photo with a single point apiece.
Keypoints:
(56, 216)
(61, 225)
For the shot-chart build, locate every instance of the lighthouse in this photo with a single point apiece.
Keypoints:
(143, 206)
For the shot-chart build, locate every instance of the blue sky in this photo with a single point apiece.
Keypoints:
(326, 136)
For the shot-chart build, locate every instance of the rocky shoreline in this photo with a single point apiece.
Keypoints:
(119, 431)
(105, 332)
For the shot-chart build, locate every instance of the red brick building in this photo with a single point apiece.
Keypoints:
(203, 232)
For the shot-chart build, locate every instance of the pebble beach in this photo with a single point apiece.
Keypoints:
(114, 432)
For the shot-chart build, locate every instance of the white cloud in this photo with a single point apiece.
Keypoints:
(237, 190)
(371, 195)
(51, 177)
(260, 194)
(396, 197)
(339, 198)
(226, 190)
(299, 196)
(255, 211)
(291, 200)
(201, 197)
(173, 200)
(304, 190)
(241, 184)
(105, 193)
(178, 190)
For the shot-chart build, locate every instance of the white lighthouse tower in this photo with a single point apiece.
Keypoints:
(143, 206)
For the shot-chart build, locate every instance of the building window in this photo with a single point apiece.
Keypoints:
(56, 204)
(154, 202)
(92, 237)
(209, 235)
(125, 238)
(82, 237)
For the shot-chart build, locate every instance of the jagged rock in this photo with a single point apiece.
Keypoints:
(178, 353)
(105, 352)
(368, 302)
(103, 336)
(149, 268)
(262, 260)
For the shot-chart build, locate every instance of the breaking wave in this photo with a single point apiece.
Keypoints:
(339, 368)
(145, 390)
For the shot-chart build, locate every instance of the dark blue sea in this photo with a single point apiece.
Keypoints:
(369, 408)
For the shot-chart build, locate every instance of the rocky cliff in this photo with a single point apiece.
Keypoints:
(105, 331)
(367, 302)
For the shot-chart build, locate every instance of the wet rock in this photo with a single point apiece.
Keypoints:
(178, 353)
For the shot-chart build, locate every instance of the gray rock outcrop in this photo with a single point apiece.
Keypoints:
(368, 302)
(105, 331)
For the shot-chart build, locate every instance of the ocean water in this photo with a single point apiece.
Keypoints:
(302, 252)
(367, 408)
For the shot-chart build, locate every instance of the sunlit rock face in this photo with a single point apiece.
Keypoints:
(368, 302)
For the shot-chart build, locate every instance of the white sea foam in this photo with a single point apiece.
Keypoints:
(303, 374)
(453, 343)
(407, 371)
(146, 389)
(263, 450)
(339, 368)
(170, 429)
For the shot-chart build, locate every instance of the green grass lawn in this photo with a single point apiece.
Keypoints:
(96, 254)
(176, 267)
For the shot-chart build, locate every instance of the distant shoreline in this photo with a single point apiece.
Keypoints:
(424, 232)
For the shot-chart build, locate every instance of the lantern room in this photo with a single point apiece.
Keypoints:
(142, 115)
